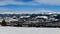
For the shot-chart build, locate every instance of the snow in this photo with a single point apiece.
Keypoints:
(30, 30)
(42, 17)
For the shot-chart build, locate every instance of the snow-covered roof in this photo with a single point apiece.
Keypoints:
(42, 17)
(24, 16)
(11, 19)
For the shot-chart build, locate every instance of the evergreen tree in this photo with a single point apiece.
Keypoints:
(3, 23)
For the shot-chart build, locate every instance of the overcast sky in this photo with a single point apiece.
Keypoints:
(19, 6)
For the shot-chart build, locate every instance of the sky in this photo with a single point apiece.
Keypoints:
(29, 6)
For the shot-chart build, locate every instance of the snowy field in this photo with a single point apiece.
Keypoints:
(25, 30)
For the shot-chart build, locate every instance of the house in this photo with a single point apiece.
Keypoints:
(1, 19)
(11, 21)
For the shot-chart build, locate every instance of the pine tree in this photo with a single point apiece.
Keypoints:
(3, 23)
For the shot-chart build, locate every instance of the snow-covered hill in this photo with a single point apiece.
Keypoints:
(30, 12)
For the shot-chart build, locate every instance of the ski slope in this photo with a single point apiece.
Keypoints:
(30, 30)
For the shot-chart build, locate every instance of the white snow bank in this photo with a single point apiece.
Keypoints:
(22, 30)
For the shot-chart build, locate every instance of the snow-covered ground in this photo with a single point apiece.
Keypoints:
(25, 30)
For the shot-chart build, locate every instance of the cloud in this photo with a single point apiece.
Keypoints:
(49, 2)
(6, 2)
(33, 2)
